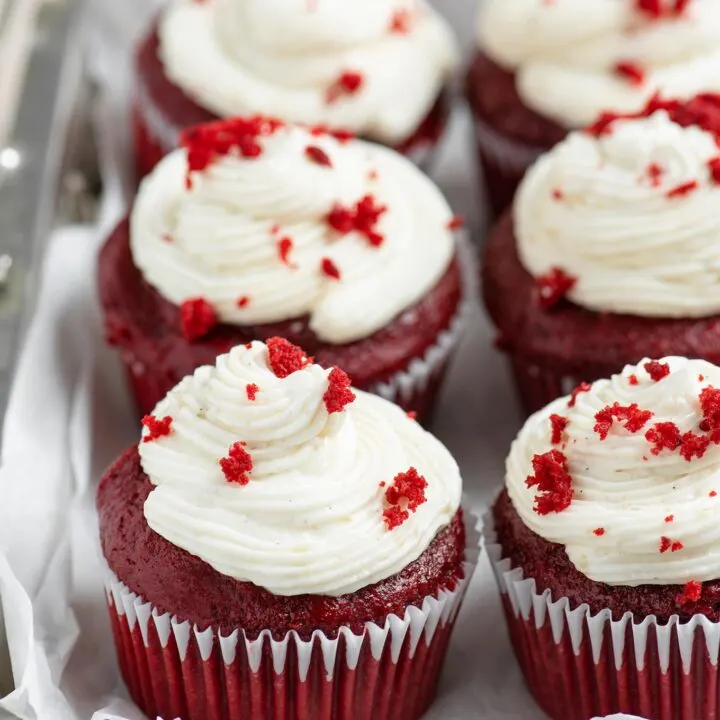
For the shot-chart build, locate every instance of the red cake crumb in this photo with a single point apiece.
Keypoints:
(362, 218)
(581, 388)
(657, 370)
(669, 518)
(631, 417)
(286, 358)
(672, 545)
(400, 22)
(712, 493)
(691, 593)
(664, 436)
(206, 143)
(456, 223)
(348, 83)
(553, 482)
(558, 423)
(285, 246)
(243, 301)
(408, 490)
(237, 465)
(329, 268)
(710, 406)
(553, 286)
(557, 194)
(701, 377)
(167, 238)
(683, 189)
(412, 415)
(317, 155)
(599, 531)
(395, 516)
(658, 9)
(338, 395)
(693, 445)
(714, 167)
(341, 135)
(633, 380)
(676, 546)
(197, 318)
(655, 173)
(630, 71)
(252, 390)
(156, 427)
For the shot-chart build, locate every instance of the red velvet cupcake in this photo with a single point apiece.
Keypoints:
(612, 251)
(280, 543)
(544, 68)
(379, 70)
(257, 229)
(605, 545)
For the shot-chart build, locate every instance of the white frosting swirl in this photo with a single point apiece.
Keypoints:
(225, 229)
(632, 248)
(279, 57)
(310, 520)
(564, 53)
(618, 490)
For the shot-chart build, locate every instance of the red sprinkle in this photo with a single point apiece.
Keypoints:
(197, 318)
(599, 531)
(243, 301)
(338, 395)
(693, 445)
(669, 518)
(348, 83)
(237, 465)
(456, 223)
(252, 390)
(664, 436)
(630, 71)
(317, 155)
(553, 286)
(285, 246)
(657, 370)
(631, 417)
(633, 380)
(408, 490)
(581, 388)
(691, 593)
(362, 218)
(558, 423)
(553, 482)
(329, 268)
(683, 189)
(157, 428)
(286, 358)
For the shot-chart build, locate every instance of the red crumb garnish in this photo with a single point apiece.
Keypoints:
(456, 222)
(205, 144)
(693, 445)
(630, 71)
(631, 417)
(401, 21)
(557, 194)
(599, 531)
(285, 358)
(712, 493)
(339, 134)
(553, 482)
(412, 415)
(672, 545)
(167, 238)
(285, 246)
(197, 318)
(348, 83)
(657, 370)
(156, 427)
(714, 167)
(664, 436)
(710, 406)
(317, 155)
(558, 423)
(683, 189)
(553, 286)
(691, 593)
(243, 301)
(701, 377)
(655, 173)
(405, 495)
(338, 394)
(633, 380)
(362, 217)
(658, 9)
(581, 388)
(669, 518)
(252, 390)
(676, 546)
(382, 484)
(329, 268)
(237, 465)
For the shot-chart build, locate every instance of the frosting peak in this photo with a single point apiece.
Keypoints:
(629, 212)
(282, 57)
(275, 472)
(642, 459)
(269, 222)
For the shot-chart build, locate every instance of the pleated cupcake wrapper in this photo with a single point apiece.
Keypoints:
(580, 665)
(174, 669)
(406, 386)
(509, 154)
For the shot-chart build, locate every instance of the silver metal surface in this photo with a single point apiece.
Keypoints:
(31, 168)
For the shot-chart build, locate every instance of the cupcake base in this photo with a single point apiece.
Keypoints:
(387, 672)
(161, 110)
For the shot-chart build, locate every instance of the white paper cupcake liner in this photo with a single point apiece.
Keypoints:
(174, 669)
(579, 665)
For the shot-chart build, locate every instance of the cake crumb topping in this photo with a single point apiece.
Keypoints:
(657, 370)
(156, 427)
(404, 496)
(558, 423)
(338, 395)
(581, 388)
(553, 481)
(630, 71)
(318, 156)
(691, 593)
(664, 436)
(349, 82)
(553, 286)
(329, 268)
(252, 390)
(362, 218)
(237, 465)
(285, 358)
(197, 318)
(631, 417)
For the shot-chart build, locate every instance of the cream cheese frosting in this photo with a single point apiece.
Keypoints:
(565, 53)
(281, 57)
(221, 236)
(611, 211)
(310, 517)
(641, 512)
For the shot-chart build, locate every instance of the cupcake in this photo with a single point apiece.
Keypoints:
(280, 540)
(379, 70)
(612, 250)
(604, 543)
(544, 68)
(255, 229)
